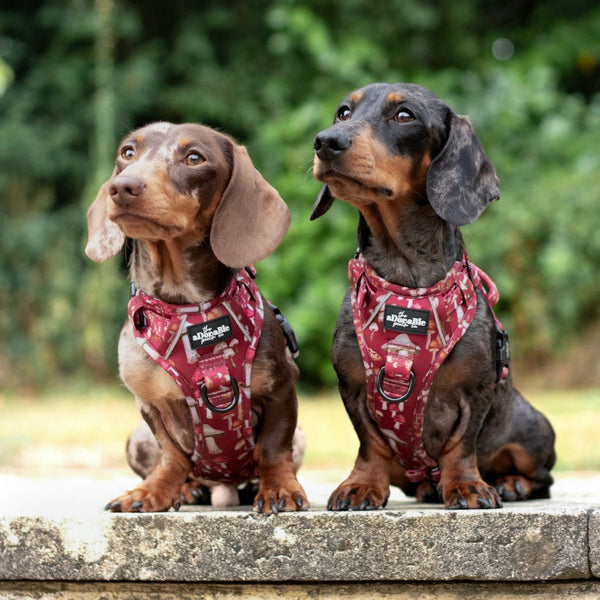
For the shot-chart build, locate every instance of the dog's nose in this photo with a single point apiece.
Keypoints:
(125, 189)
(330, 144)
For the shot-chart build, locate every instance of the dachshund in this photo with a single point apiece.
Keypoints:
(198, 215)
(416, 171)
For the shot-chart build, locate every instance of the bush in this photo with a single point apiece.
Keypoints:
(75, 77)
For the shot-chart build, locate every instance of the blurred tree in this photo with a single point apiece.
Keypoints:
(76, 75)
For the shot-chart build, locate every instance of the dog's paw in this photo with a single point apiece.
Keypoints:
(194, 492)
(286, 497)
(146, 499)
(470, 494)
(514, 487)
(358, 496)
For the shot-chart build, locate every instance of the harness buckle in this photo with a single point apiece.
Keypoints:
(288, 331)
(404, 397)
(502, 353)
(218, 409)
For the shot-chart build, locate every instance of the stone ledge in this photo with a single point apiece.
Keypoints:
(535, 541)
(594, 543)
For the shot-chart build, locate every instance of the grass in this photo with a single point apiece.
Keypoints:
(86, 428)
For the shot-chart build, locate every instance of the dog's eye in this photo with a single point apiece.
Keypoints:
(343, 113)
(193, 159)
(127, 153)
(404, 116)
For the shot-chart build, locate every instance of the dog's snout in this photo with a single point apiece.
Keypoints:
(125, 189)
(329, 144)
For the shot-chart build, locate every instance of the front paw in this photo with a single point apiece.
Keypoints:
(146, 498)
(194, 492)
(469, 494)
(272, 499)
(358, 496)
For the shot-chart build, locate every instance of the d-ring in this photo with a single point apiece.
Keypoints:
(217, 409)
(405, 396)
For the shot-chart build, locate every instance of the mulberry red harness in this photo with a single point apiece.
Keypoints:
(208, 349)
(405, 335)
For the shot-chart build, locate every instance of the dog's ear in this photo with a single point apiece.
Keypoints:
(322, 203)
(105, 239)
(461, 180)
(251, 218)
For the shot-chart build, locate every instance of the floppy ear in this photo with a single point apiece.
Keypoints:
(105, 238)
(251, 218)
(461, 180)
(322, 203)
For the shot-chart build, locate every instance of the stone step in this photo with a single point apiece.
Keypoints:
(534, 541)
(551, 545)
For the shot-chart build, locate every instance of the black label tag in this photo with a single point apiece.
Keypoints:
(407, 320)
(210, 333)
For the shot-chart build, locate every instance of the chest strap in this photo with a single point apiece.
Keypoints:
(208, 349)
(404, 335)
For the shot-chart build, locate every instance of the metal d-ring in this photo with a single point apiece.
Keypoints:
(405, 396)
(211, 406)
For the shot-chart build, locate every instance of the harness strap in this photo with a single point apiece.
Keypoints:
(396, 379)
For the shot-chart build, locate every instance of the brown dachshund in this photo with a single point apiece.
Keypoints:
(198, 213)
(415, 170)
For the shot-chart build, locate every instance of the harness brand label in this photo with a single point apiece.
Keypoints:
(210, 333)
(406, 320)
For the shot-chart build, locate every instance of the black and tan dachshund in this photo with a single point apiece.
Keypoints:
(198, 213)
(416, 171)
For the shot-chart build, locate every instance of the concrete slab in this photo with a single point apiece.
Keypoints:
(57, 530)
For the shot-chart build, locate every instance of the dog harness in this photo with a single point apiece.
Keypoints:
(404, 335)
(208, 349)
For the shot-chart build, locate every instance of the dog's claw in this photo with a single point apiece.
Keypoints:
(343, 503)
(460, 504)
(299, 502)
(136, 506)
(177, 506)
(520, 490)
(365, 504)
(274, 508)
(483, 502)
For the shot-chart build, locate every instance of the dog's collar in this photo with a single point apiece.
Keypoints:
(208, 349)
(404, 335)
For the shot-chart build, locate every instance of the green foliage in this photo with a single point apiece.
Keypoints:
(76, 75)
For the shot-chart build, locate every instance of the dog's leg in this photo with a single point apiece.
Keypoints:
(368, 485)
(161, 489)
(275, 408)
(142, 450)
(520, 468)
(461, 484)
(278, 486)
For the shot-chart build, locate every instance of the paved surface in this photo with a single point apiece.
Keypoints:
(74, 492)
